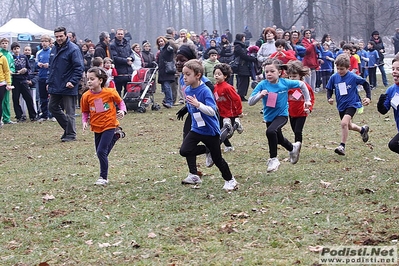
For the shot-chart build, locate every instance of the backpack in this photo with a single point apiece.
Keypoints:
(235, 64)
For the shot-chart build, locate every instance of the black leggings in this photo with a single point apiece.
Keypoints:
(275, 136)
(190, 149)
(297, 124)
(394, 144)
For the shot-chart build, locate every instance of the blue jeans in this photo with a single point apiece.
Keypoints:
(104, 143)
(57, 105)
(383, 75)
(167, 90)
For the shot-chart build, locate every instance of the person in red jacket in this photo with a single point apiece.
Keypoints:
(229, 105)
(296, 102)
(310, 59)
(281, 54)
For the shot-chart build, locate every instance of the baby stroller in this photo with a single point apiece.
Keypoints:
(140, 91)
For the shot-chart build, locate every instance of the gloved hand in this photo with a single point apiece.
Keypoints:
(181, 113)
(380, 105)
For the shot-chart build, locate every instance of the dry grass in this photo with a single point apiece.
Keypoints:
(146, 217)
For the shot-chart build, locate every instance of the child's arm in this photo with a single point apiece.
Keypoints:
(208, 110)
(366, 86)
(305, 93)
(122, 110)
(85, 120)
(255, 98)
(381, 106)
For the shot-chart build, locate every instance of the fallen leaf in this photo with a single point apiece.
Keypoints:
(241, 215)
(48, 197)
(325, 184)
(378, 159)
(152, 235)
(316, 249)
(104, 245)
(162, 181)
(117, 244)
(89, 242)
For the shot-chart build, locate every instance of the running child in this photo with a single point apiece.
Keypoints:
(391, 99)
(98, 106)
(205, 128)
(228, 103)
(296, 108)
(344, 84)
(274, 94)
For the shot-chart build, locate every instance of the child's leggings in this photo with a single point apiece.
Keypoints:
(104, 142)
(394, 144)
(275, 136)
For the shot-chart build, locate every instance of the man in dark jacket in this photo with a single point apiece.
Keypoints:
(243, 74)
(102, 48)
(121, 51)
(65, 71)
(379, 47)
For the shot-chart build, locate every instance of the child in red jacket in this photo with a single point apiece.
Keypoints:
(296, 101)
(229, 105)
(282, 54)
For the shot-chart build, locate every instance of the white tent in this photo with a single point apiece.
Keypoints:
(17, 26)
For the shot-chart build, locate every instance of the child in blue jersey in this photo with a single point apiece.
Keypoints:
(205, 128)
(372, 63)
(391, 99)
(344, 84)
(274, 93)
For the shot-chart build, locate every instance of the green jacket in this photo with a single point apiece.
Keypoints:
(208, 69)
(9, 58)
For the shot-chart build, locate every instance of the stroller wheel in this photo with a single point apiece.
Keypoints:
(155, 107)
(141, 109)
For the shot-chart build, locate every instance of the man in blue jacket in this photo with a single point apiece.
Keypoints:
(65, 71)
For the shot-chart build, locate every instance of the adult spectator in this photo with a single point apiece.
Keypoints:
(279, 33)
(183, 38)
(212, 45)
(229, 35)
(170, 37)
(112, 34)
(395, 41)
(310, 59)
(243, 73)
(196, 40)
(379, 46)
(165, 56)
(269, 47)
(148, 56)
(65, 71)
(102, 47)
(42, 62)
(121, 51)
(128, 36)
(72, 37)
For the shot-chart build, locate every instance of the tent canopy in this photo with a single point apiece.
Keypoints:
(17, 26)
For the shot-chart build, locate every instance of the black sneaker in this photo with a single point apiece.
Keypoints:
(119, 134)
(365, 134)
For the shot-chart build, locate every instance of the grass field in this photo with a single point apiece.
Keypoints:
(51, 212)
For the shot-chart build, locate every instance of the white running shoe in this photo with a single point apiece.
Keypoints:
(230, 185)
(239, 127)
(208, 160)
(272, 164)
(294, 154)
(101, 181)
(228, 148)
(192, 179)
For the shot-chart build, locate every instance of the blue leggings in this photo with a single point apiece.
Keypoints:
(104, 142)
